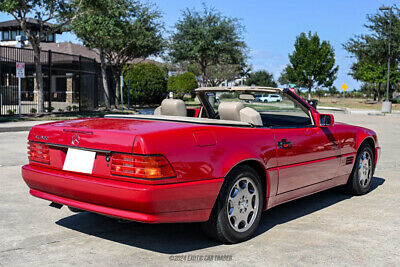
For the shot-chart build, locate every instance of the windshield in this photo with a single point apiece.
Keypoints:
(274, 109)
(261, 103)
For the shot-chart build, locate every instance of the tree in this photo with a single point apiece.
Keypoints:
(368, 89)
(283, 78)
(261, 78)
(374, 73)
(371, 51)
(52, 16)
(311, 63)
(217, 74)
(207, 39)
(182, 83)
(320, 92)
(147, 83)
(333, 90)
(121, 30)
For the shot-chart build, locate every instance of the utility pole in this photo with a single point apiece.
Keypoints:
(387, 105)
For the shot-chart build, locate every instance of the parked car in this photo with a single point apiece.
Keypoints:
(268, 98)
(222, 167)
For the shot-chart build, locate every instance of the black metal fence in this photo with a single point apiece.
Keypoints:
(71, 82)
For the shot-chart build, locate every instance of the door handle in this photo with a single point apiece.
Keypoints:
(284, 144)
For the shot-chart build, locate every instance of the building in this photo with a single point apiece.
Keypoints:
(9, 30)
(70, 72)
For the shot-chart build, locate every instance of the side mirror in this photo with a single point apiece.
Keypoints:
(325, 120)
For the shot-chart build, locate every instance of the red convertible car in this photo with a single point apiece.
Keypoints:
(222, 164)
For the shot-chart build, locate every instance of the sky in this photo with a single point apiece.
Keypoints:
(271, 26)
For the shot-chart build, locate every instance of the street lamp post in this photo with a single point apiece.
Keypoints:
(387, 105)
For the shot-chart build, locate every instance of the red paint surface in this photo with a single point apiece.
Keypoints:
(201, 156)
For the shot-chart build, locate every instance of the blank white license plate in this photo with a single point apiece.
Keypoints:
(78, 160)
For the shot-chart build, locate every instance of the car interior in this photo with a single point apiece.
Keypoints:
(240, 111)
(172, 107)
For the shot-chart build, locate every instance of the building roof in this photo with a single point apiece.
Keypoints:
(31, 23)
(70, 48)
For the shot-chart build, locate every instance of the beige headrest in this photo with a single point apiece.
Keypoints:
(251, 116)
(230, 111)
(157, 111)
(173, 107)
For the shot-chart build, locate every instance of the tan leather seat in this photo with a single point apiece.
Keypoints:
(171, 107)
(251, 116)
(230, 111)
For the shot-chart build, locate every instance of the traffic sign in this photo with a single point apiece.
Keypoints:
(344, 87)
(20, 73)
(20, 69)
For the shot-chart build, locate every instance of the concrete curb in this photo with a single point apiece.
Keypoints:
(19, 126)
(15, 129)
(344, 110)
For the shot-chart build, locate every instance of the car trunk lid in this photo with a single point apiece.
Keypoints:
(107, 137)
(99, 134)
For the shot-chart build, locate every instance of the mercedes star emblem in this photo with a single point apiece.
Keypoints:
(76, 139)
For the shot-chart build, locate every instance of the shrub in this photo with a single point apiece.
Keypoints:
(75, 107)
(171, 84)
(33, 110)
(147, 83)
(68, 108)
(60, 110)
(10, 112)
(182, 83)
(50, 109)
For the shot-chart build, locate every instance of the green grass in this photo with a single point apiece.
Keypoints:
(353, 103)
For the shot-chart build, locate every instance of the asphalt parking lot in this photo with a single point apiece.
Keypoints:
(327, 228)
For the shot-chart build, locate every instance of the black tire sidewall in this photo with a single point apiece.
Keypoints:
(223, 225)
(355, 185)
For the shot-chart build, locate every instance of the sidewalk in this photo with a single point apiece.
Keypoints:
(19, 126)
(370, 112)
(355, 111)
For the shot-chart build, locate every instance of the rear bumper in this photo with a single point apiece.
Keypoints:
(180, 202)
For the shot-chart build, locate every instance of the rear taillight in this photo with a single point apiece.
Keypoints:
(38, 152)
(141, 166)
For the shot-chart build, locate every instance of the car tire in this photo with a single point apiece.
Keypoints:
(360, 179)
(265, 101)
(238, 208)
(75, 209)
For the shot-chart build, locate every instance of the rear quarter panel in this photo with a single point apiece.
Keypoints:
(196, 160)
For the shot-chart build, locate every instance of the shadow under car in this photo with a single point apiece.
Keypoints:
(177, 238)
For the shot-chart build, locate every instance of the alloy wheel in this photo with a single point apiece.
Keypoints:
(243, 202)
(365, 169)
